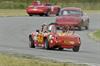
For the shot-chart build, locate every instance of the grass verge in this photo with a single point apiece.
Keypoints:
(96, 35)
(22, 12)
(92, 11)
(19, 60)
(13, 12)
(22, 4)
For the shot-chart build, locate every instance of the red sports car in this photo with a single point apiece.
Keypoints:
(42, 9)
(51, 38)
(73, 16)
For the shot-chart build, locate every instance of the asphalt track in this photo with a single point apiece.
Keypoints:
(14, 33)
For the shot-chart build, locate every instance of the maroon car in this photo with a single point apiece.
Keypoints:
(73, 16)
(42, 9)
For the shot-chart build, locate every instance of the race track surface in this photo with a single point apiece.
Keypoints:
(14, 33)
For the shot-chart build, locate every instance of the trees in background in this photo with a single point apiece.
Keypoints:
(22, 4)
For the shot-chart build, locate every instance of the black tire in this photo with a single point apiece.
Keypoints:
(58, 12)
(41, 14)
(30, 15)
(58, 28)
(86, 27)
(46, 44)
(76, 48)
(60, 49)
(47, 14)
(80, 28)
(31, 42)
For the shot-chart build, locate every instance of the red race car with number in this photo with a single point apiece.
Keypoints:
(73, 16)
(50, 38)
(38, 8)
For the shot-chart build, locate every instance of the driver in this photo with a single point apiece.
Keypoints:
(44, 28)
(66, 30)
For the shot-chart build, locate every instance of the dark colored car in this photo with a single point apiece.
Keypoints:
(73, 16)
(42, 9)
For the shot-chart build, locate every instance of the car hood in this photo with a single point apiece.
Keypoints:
(36, 7)
(68, 19)
(68, 37)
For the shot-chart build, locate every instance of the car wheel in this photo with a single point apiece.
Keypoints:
(60, 48)
(58, 12)
(46, 44)
(31, 42)
(86, 27)
(30, 15)
(47, 14)
(41, 14)
(58, 28)
(76, 48)
(80, 28)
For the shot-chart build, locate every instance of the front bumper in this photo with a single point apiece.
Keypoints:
(64, 44)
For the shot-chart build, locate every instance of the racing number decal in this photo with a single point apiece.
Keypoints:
(40, 38)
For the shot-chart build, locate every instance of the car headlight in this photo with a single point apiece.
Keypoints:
(72, 42)
(51, 41)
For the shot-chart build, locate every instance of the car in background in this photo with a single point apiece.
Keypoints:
(41, 9)
(73, 16)
(55, 39)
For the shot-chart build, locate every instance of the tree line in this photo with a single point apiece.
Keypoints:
(61, 1)
(22, 4)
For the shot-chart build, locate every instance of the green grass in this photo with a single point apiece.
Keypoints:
(13, 12)
(84, 6)
(18, 60)
(22, 4)
(92, 11)
(13, 5)
(96, 34)
(22, 12)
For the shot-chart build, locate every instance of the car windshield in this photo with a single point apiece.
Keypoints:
(52, 28)
(71, 12)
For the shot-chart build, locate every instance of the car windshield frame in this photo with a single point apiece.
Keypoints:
(71, 12)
